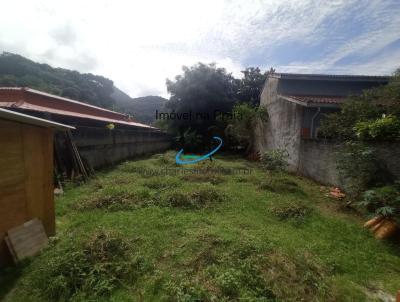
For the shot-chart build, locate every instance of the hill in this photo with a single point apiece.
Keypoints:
(18, 71)
(143, 109)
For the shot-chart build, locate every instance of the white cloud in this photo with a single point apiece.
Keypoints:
(139, 44)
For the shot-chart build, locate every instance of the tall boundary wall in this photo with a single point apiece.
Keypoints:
(317, 159)
(102, 147)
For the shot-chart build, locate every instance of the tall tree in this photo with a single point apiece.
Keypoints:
(250, 86)
(198, 96)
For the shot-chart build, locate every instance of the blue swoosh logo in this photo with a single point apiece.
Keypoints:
(181, 162)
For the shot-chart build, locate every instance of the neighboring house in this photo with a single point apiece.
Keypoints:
(102, 136)
(296, 104)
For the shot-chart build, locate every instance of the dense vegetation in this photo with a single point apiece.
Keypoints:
(373, 117)
(133, 234)
(16, 70)
(143, 109)
(202, 99)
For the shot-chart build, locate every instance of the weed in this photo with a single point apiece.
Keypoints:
(94, 267)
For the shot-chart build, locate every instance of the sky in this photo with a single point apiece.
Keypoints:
(139, 44)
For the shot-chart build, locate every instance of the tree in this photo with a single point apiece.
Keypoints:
(198, 96)
(241, 128)
(250, 86)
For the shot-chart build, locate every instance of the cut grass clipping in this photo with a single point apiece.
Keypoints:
(291, 211)
(281, 185)
(204, 177)
(115, 199)
(248, 274)
(204, 196)
(92, 268)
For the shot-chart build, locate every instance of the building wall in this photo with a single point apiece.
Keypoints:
(101, 147)
(26, 178)
(318, 160)
(282, 130)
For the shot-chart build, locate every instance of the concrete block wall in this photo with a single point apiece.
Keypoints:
(317, 160)
(101, 147)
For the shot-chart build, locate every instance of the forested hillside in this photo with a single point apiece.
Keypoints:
(143, 109)
(18, 71)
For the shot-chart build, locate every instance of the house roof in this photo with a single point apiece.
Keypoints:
(330, 77)
(31, 120)
(323, 90)
(35, 100)
(315, 101)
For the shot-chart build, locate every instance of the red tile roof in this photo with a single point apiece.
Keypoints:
(315, 100)
(30, 99)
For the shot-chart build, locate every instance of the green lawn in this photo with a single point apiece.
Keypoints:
(131, 236)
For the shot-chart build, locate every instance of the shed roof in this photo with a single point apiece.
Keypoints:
(35, 100)
(31, 120)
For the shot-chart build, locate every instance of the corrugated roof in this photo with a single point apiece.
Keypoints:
(315, 100)
(32, 120)
(62, 106)
(332, 77)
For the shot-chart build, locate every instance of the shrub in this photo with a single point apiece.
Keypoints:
(92, 268)
(357, 165)
(383, 201)
(275, 160)
(385, 128)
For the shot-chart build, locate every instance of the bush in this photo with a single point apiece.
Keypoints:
(385, 128)
(92, 268)
(358, 166)
(275, 160)
(291, 211)
(383, 201)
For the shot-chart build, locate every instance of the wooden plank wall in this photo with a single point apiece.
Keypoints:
(26, 178)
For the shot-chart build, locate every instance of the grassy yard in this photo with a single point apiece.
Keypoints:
(128, 235)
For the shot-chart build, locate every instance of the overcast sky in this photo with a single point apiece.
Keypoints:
(138, 44)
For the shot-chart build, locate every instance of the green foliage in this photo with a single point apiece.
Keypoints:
(240, 130)
(251, 85)
(384, 128)
(190, 140)
(358, 166)
(201, 89)
(275, 160)
(361, 116)
(383, 201)
(18, 71)
(92, 268)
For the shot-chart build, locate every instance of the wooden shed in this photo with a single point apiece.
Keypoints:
(26, 173)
